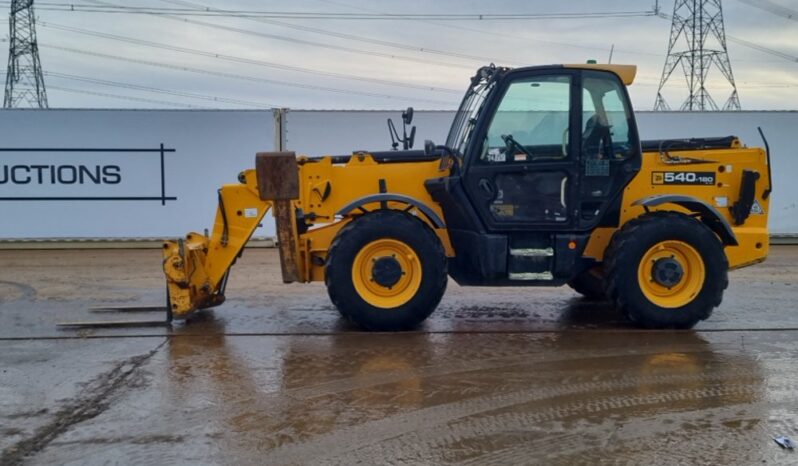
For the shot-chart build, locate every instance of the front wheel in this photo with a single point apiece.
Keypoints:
(386, 271)
(666, 270)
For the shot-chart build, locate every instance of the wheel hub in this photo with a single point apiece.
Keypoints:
(667, 272)
(386, 271)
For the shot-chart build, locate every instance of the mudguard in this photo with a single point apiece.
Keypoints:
(708, 214)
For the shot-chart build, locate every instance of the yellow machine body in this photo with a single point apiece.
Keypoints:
(726, 164)
(197, 266)
(326, 194)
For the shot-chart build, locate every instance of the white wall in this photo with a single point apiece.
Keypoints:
(211, 147)
(312, 132)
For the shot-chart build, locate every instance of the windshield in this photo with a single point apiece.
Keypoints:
(466, 117)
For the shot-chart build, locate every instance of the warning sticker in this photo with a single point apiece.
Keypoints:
(496, 155)
(756, 208)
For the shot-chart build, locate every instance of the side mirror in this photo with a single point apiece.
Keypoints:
(407, 115)
(429, 147)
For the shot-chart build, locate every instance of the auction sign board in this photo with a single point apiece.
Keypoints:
(122, 173)
(29, 174)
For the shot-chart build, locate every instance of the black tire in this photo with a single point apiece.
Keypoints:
(629, 246)
(391, 225)
(589, 284)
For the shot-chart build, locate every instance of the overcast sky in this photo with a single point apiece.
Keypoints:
(426, 80)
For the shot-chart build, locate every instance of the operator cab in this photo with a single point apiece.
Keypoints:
(543, 155)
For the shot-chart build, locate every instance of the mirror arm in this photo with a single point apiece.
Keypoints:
(404, 134)
(394, 134)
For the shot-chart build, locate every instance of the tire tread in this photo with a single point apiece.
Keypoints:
(377, 220)
(615, 258)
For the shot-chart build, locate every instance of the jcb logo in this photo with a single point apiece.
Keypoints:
(657, 178)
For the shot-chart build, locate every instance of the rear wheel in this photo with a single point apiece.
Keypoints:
(589, 284)
(666, 270)
(386, 271)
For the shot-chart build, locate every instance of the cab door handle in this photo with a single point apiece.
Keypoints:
(486, 187)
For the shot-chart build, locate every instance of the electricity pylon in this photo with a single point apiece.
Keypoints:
(24, 79)
(698, 41)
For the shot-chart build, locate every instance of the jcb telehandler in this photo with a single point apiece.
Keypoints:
(542, 181)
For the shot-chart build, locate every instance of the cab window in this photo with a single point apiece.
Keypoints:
(605, 118)
(531, 122)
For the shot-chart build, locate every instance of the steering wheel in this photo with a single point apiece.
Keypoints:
(511, 144)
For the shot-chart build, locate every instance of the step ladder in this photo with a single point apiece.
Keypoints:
(530, 263)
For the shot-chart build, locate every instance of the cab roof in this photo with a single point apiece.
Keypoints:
(625, 72)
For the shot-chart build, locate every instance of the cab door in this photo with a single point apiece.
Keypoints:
(610, 152)
(522, 164)
(553, 152)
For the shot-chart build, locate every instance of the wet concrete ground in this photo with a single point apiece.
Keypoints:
(495, 376)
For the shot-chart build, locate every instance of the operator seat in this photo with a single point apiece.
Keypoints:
(596, 137)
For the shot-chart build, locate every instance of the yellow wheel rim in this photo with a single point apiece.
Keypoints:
(671, 274)
(388, 289)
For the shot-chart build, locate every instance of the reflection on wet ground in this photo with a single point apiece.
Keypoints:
(556, 398)
(578, 386)
(499, 399)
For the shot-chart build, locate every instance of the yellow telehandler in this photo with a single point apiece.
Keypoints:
(542, 181)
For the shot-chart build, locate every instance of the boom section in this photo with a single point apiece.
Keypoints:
(197, 266)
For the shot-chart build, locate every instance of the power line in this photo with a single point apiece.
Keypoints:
(139, 87)
(769, 86)
(525, 38)
(233, 75)
(294, 40)
(516, 37)
(110, 8)
(762, 49)
(124, 97)
(772, 7)
(353, 37)
(385, 43)
(249, 61)
(328, 46)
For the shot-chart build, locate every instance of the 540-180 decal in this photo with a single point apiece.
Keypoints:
(701, 178)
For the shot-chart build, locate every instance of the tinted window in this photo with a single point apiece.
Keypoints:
(605, 118)
(531, 122)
